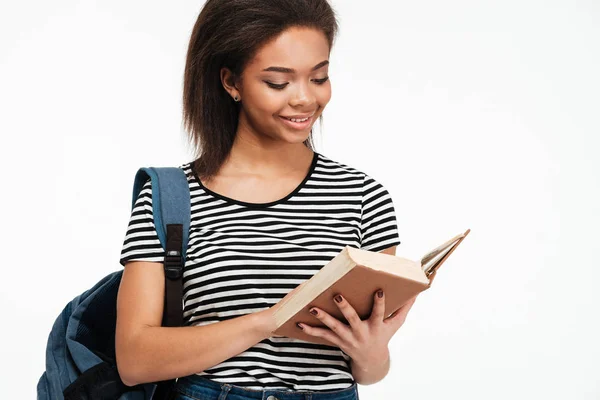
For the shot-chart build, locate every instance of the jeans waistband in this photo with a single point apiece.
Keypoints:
(195, 384)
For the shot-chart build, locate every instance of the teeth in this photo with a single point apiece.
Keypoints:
(298, 120)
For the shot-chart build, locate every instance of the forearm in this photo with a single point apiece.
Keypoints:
(369, 374)
(162, 353)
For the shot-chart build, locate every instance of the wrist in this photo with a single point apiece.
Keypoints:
(264, 323)
(377, 364)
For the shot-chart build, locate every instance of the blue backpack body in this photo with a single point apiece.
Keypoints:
(80, 354)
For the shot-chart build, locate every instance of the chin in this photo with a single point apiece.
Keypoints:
(294, 139)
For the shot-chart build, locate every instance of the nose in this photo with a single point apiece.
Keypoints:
(303, 95)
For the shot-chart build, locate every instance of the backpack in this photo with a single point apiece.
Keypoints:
(80, 354)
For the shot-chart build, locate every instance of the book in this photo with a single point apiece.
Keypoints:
(357, 274)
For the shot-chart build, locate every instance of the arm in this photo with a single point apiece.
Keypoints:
(147, 352)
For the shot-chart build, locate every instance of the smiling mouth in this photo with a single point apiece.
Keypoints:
(298, 124)
(298, 119)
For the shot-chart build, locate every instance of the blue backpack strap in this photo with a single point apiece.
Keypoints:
(172, 213)
(170, 200)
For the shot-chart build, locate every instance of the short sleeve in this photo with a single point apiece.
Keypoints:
(141, 240)
(378, 225)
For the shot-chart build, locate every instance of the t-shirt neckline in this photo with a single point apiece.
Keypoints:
(260, 205)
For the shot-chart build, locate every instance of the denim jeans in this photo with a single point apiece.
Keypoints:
(195, 387)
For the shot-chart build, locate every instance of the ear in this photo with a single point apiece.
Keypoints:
(228, 80)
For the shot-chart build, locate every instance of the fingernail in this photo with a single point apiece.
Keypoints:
(338, 298)
(300, 326)
(313, 311)
(380, 293)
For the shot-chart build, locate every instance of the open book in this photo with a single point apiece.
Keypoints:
(357, 274)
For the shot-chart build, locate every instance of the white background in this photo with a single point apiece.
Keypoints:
(480, 115)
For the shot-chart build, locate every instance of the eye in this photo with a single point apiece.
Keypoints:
(276, 86)
(321, 81)
(281, 86)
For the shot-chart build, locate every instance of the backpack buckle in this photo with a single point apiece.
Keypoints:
(173, 265)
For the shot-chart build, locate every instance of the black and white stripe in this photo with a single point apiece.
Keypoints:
(245, 257)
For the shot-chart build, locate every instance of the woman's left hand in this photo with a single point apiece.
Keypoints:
(366, 342)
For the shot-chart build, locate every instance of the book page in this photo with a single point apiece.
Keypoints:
(442, 248)
(433, 261)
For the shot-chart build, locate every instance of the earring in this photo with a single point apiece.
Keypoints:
(235, 98)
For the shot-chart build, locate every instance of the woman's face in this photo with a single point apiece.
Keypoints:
(288, 77)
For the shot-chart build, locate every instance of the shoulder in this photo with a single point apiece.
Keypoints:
(338, 167)
(187, 167)
(369, 182)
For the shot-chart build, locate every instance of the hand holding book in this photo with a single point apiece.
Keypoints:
(365, 341)
(357, 274)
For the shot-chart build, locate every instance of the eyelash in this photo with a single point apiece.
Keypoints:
(283, 85)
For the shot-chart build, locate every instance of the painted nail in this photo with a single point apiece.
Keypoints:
(380, 293)
(338, 298)
(313, 311)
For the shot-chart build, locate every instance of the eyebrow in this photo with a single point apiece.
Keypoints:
(293, 71)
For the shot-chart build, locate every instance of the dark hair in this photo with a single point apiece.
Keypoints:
(228, 33)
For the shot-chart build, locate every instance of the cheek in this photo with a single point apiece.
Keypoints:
(267, 101)
(264, 108)
(324, 95)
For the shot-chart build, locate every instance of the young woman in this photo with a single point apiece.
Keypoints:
(268, 212)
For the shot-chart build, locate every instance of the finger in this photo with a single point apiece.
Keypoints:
(338, 327)
(399, 316)
(349, 313)
(321, 332)
(378, 312)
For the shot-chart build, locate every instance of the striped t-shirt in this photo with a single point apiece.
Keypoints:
(244, 257)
